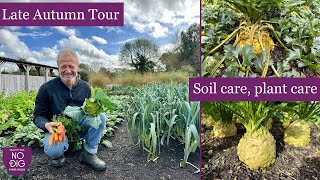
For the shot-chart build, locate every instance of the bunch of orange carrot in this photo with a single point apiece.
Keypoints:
(58, 135)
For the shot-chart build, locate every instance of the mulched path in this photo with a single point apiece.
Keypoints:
(220, 160)
(124, 161)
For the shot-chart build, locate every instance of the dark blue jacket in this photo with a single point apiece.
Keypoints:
(54, 96)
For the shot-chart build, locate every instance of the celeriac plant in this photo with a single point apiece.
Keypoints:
(221, 117)
(257, 148)
(298, 132)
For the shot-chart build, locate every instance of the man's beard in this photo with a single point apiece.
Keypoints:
(71, 81)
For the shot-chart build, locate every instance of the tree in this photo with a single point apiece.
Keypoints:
(84, 72)
(190, 47)
(107, 72)
(171, 60)
(140, 54)
(142, 64)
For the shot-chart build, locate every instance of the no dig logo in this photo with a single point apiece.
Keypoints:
(16, 159)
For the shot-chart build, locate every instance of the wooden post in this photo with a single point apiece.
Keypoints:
(38, 68)
(1, 83)
(26, 83)
(47, 74)
(1, 63)
(51, 72)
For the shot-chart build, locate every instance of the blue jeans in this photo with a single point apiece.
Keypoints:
(91, 135)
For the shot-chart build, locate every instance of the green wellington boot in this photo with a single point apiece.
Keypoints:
(58, 162)
(92, 160)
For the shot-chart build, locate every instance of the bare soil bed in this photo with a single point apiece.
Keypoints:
(220, 160)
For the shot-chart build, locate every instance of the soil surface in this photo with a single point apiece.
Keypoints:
(220, 160)
(124, 161)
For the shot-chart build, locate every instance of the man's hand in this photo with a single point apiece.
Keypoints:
(49, 126)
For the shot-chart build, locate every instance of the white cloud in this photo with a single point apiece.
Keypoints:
(140, 27)
(154, 29)
(88, 53)
(65, 31)
(167, 47)
(75, 42)
(13, 44)
(48, 53)
(155, 18)
(31, 59)
(33, 34)
(125, 41)
(10, 41)
(99, 40)
(2, 53)
(13, 28)
(166, 12)
(157, 31)
(109, 29)
(143, 14)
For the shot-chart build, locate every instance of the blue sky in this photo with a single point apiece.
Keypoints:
(156, 20)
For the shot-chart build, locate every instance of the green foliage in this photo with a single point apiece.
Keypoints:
(102, 99)
(240, 60)
(189, 112)
(120, 90)
(255, 10)
(10, 123)
(299, 27)
(143, 64)
(171, 60)
(84, 72)
(221, 118)
(218, 111)
(254, 115)
(19, 107)
(91, 109)
(160, 112)
(190, 47)
(107, 143)
(184, 54)
(115, 117)
(26, 135)
(139, 54)
(18, 127)
(29, 134)
(307, 111)
(217, 22)
(4, 142)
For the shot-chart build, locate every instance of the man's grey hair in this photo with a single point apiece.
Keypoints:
(64, 52)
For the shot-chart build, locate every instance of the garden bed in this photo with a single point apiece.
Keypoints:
(124, 161)
(220, 160)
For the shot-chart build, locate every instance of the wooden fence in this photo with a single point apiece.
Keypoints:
(13, 83)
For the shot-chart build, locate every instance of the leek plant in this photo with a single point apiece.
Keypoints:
(297, 133)
(160, 113)
(257, 148)
(221, 119)
(190, 114)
